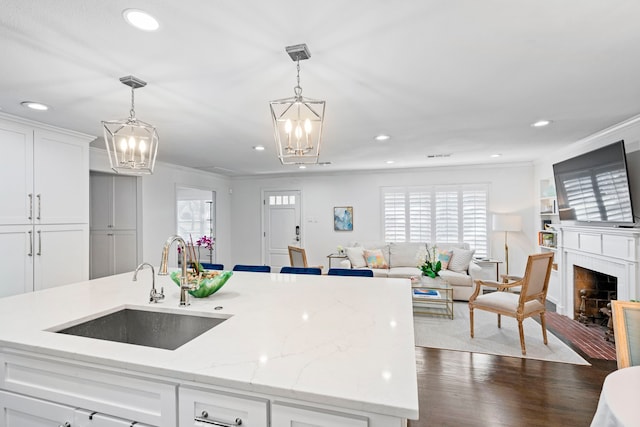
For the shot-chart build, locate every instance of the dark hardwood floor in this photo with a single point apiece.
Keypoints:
(457, 388)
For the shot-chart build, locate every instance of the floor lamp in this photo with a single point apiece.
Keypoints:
(506, 223)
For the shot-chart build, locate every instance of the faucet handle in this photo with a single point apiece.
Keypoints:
(155, 296)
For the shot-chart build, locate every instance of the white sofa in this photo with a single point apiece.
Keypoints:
(402, 261)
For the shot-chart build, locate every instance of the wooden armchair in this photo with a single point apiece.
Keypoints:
(529, 302)
(626, 328)
(298, 257)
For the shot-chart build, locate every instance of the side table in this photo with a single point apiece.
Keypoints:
(488, 264)
(432, 296)
(331, 257)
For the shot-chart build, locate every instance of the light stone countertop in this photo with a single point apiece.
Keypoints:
(344, 342)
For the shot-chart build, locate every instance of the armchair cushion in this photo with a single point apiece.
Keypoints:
(506, 301)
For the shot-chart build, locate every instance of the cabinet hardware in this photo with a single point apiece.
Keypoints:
(66, 424)
(30, 243)
(39, 205)
(39, 243)
(30, 205)
(205, 419)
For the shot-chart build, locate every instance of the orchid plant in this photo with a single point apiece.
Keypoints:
(431, 266)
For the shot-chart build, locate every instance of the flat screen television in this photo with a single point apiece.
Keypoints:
(593, 188)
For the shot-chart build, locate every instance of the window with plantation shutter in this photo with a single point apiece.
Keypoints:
(394, 216)
(440, 214)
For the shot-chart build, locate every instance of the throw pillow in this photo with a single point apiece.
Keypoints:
(356, 256)
(460, 259)
(444, 257)
(375, 259)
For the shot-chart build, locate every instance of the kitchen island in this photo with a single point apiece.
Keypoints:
(321, 350)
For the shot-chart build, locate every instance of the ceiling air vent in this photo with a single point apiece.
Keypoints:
(438, 156)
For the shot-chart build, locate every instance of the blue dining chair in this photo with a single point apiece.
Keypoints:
(350, 272)
(254, 268)
(301, 270)
(208, 266)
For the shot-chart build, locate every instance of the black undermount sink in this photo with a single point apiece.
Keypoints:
(142, 327)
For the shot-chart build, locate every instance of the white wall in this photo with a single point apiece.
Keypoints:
(511, 191)
(159, 204)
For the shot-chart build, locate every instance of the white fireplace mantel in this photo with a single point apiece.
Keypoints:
(612, 251)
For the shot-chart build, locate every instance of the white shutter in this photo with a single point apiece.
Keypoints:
(446, 218)
(395, 222)
(419, 216)
(474, 220)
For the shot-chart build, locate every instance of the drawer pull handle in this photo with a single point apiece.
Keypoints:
(30, 205)
(39, 205)
(205, 419)
(66, 424)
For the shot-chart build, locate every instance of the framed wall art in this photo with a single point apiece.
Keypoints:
(343, 218)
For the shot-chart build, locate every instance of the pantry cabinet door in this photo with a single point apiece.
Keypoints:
(16, 173)
(61, 255)
(61, 178)
(16, 259)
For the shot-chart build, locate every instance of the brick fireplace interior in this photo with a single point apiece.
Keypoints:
(592, 292)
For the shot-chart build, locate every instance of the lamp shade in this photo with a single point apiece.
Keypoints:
(504, 222)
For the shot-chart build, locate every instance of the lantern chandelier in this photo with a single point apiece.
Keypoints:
(297, 121)
(132, 144)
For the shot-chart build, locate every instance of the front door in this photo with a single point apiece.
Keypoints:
(282, 222)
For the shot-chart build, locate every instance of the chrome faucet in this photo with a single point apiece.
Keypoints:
(153, 295)
(184, 285)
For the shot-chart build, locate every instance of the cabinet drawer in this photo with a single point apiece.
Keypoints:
(206, 408)
(84, 418)
(82, 386)
(283, 414)
(20, 411)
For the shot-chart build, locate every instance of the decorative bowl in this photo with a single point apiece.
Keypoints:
(209, 283)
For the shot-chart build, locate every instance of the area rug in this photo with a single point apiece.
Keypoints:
(444, 333)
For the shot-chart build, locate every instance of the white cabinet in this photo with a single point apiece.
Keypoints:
(292, 415)
(60, 178)
(200, 408)
(60, 255)
(44, 212)
(41, 257)
(113, 202)
(112, 252)
(16, 257)
(114, 238)
(115, 397)
(24, 411)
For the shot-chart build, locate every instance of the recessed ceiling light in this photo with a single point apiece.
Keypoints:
(140, 19)
(259, 148)
(390, 162)
(496, 155)
(35, 105)
(541, 123)
(382, 137)
(302, 167)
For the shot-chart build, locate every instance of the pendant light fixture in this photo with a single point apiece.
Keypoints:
(132, 144)
(298, 121)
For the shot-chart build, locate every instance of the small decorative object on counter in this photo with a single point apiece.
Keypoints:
(432, 265)
(207, 282)
(340, 250)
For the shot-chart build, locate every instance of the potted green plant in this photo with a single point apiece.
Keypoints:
(431, 266)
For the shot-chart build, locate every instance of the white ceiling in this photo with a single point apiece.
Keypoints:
(459, 77)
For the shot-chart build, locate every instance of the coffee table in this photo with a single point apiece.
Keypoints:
(432, 296)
